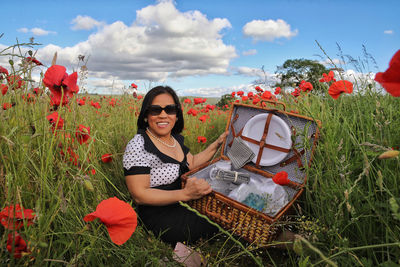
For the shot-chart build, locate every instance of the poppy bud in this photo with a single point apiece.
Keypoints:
(43, 244)
(297, 247)
(389, 154)
(11, 62)
(89, 186)
(30, 52)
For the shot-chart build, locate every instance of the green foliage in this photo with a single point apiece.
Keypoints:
(293, 71)
(224, 100)
(348, 214)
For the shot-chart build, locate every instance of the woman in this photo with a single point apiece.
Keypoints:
(154, 161)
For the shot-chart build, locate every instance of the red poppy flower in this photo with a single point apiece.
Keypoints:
(3, 71)
(281, 178)
(15, 81)
(277, 90)
(95, 104)
(82, 134)
(53, 118)
(7, 106)
(240, 93)
(60, 83)
(187, 101)
(192, 112)
(13, 217)
(256, 100)
(305, 86)
(133, 85)
(4, 88)
(197, 101)
(233, 94)
(339, 87)
(106, 158)
(258, 89)
(33, 60)
(29, 97)
(112, 103)
(16, 243)
(266, 95)
(119, 218)
(296, 92)
(139, 97)
(327, 78)
(245, 98)
(73, 157)
(250, 94)
(37, 91)
(203, 118)
(81, 102)
(390, 79)
(201, 139)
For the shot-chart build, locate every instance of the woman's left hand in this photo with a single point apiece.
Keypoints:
(221, 138)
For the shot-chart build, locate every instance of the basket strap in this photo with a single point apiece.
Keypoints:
(297, 155)
(262, 141)
(278, 148)
(233, 129)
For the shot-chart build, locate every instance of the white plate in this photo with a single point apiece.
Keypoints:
(278, 135)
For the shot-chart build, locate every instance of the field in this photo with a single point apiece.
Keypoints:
(51, 165)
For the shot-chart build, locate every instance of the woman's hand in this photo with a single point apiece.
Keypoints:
(220, 139)
(196, 188)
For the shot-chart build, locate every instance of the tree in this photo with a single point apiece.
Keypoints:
(293, 71)
(225, 100)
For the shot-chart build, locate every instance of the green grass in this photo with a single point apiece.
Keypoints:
(348, 215)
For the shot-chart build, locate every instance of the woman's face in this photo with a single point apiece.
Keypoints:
(163, 123)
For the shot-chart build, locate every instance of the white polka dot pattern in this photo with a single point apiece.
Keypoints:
(136, 156)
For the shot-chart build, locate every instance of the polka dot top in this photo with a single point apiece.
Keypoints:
(143, 157)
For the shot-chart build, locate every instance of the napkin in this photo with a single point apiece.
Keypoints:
(240, 153)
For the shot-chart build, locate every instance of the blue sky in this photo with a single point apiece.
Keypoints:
(203, 48)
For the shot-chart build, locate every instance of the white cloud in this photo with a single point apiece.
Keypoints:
(24, 30)
(388, 32)
(356, 77)
(36, 31)
(268, 30)
(85, 23)
(327, 62)
(249, 52)
(206, 91)
(106, 83)
(162, 43)
(258, 73)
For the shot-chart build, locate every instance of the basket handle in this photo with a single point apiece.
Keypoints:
(275, 103)
(216, 215)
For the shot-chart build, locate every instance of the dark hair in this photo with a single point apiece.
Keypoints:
(148, 99)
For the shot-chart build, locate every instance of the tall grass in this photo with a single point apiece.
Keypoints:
(347, 215)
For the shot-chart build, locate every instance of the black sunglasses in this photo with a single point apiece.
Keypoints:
(155, 110)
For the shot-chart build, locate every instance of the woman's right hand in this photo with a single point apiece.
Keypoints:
(196, 188)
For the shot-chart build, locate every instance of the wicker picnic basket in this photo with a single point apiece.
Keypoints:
(248, 223)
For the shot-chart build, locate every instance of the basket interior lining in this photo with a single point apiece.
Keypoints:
(305, 130)
(205, 174)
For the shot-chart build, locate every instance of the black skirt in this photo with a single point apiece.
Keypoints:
(174, 223)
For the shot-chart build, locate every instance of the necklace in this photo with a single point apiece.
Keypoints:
(159, 140)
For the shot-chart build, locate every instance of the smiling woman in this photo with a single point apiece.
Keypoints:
(154, 161)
